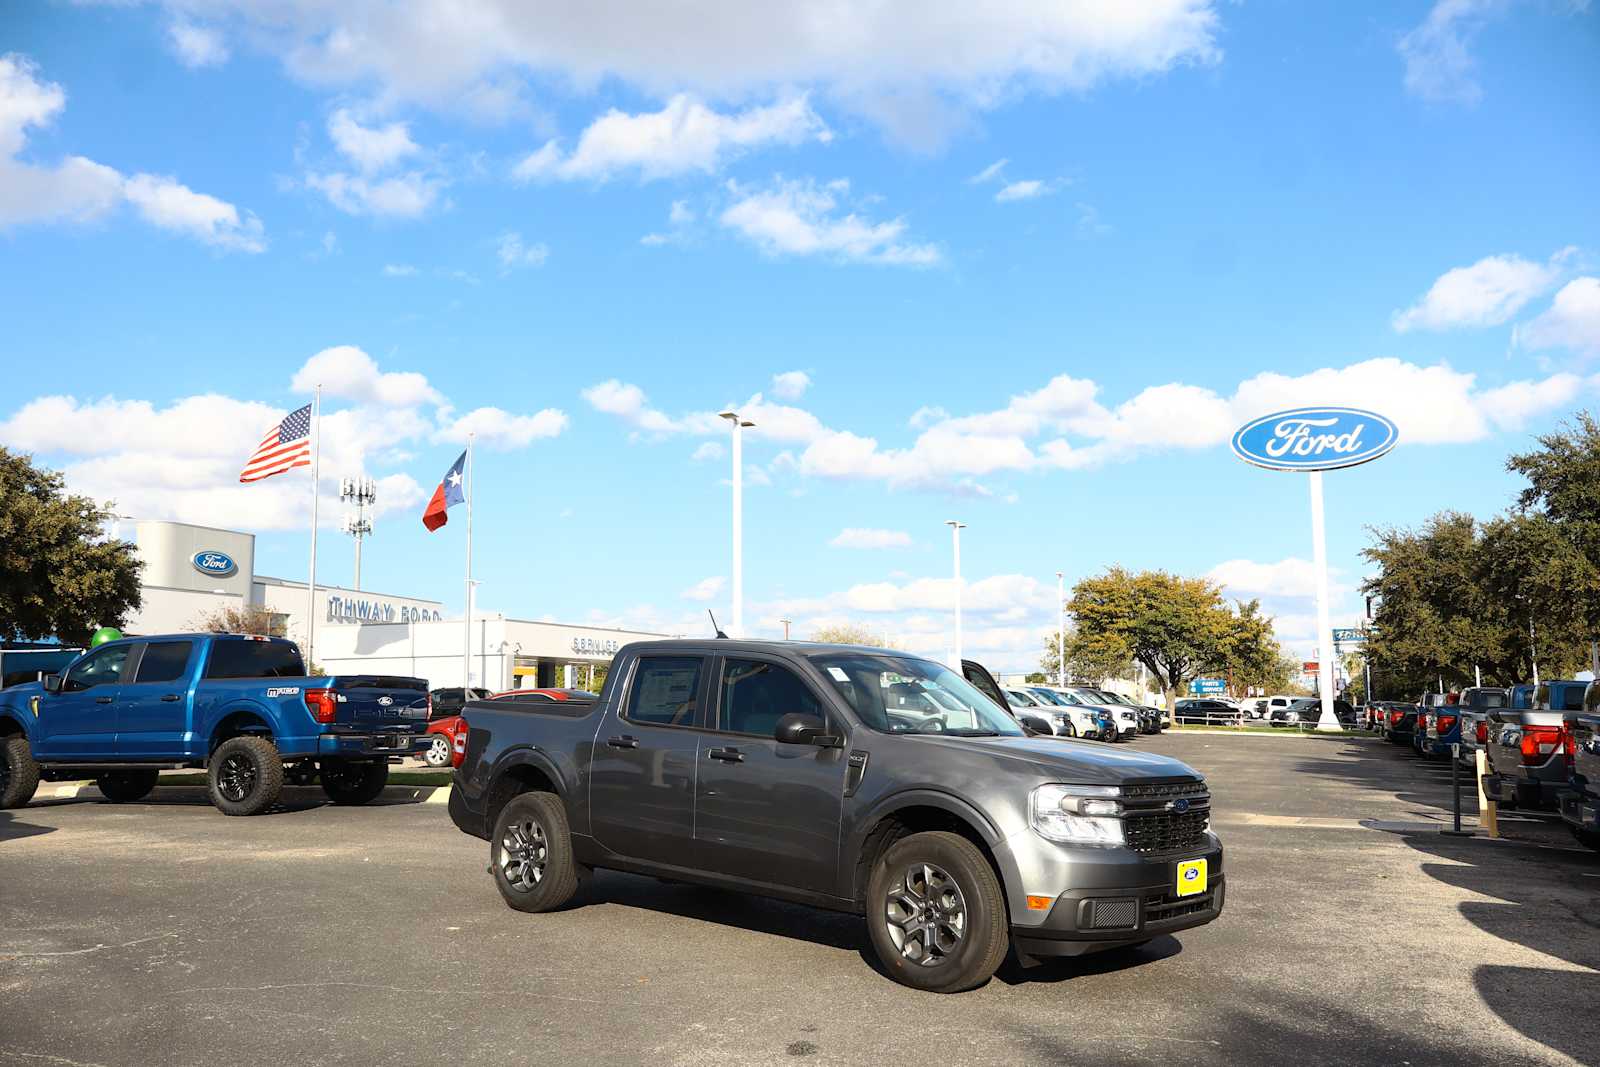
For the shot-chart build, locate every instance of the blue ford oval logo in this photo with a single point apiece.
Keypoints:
(1315, 439)
(1178, 806)
(214, 564)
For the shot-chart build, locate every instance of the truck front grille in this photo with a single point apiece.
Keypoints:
(1163, 908)
(1165, 831)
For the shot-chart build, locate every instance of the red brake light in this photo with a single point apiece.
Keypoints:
(1446, 723)
(1569, 741)
(1483, 733)
(1538, 742)
(1395, 717)
(321, 704)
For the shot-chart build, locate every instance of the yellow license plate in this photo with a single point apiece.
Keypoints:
(1191, 877)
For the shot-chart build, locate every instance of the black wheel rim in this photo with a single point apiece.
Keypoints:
(926, 915)
(237, 778)
(523, 853)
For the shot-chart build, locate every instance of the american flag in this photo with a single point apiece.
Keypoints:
(286, 446)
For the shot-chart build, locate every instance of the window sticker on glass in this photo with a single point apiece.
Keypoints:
(838, 675)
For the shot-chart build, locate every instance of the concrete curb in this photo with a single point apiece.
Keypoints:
(435, 794)
(1280, 734)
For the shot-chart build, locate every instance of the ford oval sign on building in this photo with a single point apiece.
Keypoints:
(214, 564)
(1314, 439)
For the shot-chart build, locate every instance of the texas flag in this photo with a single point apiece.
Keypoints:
(449, 492)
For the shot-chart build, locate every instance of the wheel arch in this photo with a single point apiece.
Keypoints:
(11, 724)
(522, 770)
(239, 722)
(915, 812)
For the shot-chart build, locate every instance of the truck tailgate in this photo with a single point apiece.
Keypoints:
(375, 702)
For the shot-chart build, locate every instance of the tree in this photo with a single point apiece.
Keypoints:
(60, 574)
(244, 619)
(1172, 625)
(1564, 489)
(849, 633)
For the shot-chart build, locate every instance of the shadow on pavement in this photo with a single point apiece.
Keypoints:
(1066, 968)
(13, 829)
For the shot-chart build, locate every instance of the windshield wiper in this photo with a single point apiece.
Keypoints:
(971, 733)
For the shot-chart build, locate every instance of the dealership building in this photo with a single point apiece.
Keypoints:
(191, 572)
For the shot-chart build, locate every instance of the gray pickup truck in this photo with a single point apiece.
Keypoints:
(816, 773)
(1528, 767)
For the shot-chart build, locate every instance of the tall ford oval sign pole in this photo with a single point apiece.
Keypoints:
(1316, 440)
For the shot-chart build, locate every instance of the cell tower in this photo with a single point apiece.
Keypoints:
(363, 493)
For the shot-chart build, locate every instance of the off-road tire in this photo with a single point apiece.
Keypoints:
(124, 787)
(516, 851)
(261, 757)
(438, 743)
(984, 939)
(19, 775)
(356, 782)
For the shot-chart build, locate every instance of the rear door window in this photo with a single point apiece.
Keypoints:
(164, 661)
(665, 690)
(254, 659)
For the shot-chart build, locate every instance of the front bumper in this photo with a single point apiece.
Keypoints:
(1113, 896)
(396, 743)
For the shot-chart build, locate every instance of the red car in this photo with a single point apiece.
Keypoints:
(448, 745)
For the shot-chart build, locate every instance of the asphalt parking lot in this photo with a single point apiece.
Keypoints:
(162, 932)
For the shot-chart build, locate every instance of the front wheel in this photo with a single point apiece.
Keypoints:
(936, 914)
(530, 853)
(355, 783)
(245, 775)
(438, 754)
(1068, 730)
(19, 774)
(124, 787)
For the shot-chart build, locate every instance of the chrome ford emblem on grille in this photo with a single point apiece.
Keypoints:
(1178, 806)
(384, 702)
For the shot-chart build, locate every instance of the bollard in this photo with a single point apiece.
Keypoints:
(1488, 810)
(1455, 786)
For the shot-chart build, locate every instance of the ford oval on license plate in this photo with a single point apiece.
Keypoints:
(1191, 877)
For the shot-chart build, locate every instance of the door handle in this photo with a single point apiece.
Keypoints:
(170, 698)
(623, 742)
(104, 700)
(727, 755)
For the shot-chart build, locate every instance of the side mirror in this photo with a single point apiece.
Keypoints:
(52, 683)
(797, 728)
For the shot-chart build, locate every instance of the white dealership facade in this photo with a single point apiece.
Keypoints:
(190, 572)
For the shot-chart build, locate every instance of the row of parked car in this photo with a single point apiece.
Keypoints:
(1541, 743)
(1083, 711)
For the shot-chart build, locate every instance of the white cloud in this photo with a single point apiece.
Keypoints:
(1487, 293)
(790, 385)
(402, 196)
(1243, 578)
(81, 190)
(1572, 321)
(629, 403)
(399, 270)
(684, 137)
(513, 252)
(1030, 189)
(881, 58)
(370, 148)
(501, 429)
(346, 371)
(708, 450)
(197, 46)
(989, 173)
(1439, 64)
(860, 537)
(705, 589)
(798, 218)
(680, 214)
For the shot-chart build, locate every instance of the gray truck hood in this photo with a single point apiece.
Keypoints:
(1067, 760)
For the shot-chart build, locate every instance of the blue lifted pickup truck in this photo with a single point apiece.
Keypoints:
(240, 707)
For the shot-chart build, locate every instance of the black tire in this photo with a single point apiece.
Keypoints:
(124, 787)
(19, 775)
(245, 775)
(1068, 730)
(530, 853)
(1587, 838)
(439, 753)
(899, 875)
(356, 782)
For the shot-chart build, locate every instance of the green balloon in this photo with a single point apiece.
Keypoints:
(104, 634)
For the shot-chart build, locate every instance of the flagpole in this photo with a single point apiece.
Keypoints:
(311, 584)
(466, 647)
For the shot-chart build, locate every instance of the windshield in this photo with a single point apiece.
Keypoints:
(1021, 699)
(900, 694)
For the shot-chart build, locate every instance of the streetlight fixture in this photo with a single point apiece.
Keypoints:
(786, 623)
(955, 538)
(1061, 630)
(740, 424)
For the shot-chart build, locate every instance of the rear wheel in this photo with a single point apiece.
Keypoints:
(530, 853)
(245, 775)
(1587, 838)
(438, 754)
(19, 775)
(936, 913)
(122, 787)
(356, 782)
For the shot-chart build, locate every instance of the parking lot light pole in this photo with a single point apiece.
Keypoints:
(1061, 630)
(955, 541)
(739, 426)
(1319, 555)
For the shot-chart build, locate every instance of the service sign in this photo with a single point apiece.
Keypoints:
(215, 564)
(1315, 439)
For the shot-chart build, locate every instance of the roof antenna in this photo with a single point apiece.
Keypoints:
(715, 627)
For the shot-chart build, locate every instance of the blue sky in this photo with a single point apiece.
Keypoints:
(1022, 264)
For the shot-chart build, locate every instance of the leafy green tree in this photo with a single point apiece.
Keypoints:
(1564, 489)
(59, 573)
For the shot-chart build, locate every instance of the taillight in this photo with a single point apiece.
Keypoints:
(1395, 717)
(1539, 742)
(1569, 742)
(321, 704)
(1483, 733)
(1446, 723)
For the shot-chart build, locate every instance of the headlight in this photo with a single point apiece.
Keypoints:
(1080, 814)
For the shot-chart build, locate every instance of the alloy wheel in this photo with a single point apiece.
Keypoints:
(439, 750)
(523, 852)
(926, 914)
(237, 779)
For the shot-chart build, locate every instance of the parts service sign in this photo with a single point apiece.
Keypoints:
(1315, 439)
